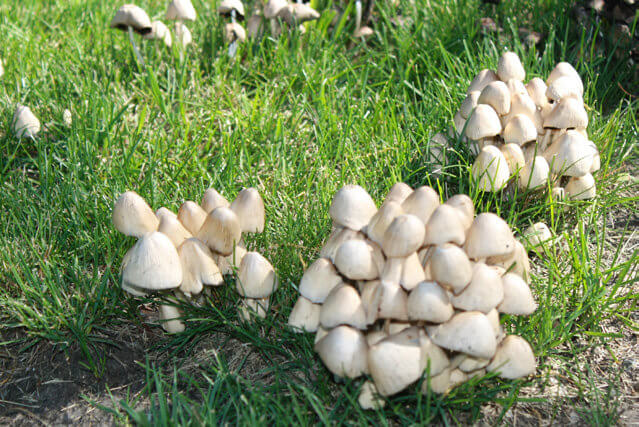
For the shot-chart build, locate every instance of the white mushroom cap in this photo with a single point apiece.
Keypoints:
(534, 174)
(173, 228)
(392, 301)
(132, 16)
(497, 95)
(421, 203)
(581, 188)
(493, 317)
(318, 280)
(537, 233)
(516, 88)
(153, 263)
(558, 194)
(484, 292)
(429, 302)
(564, 69)
(445, 226)
(221, 231)
(129, 287)
(170, 319)
(343, 306)
(371, 292)
(382, 219)
(226, 6)
(321, 333)
(519, 130)
(404, 236)
(368, 397)
(514, 358)
(569, 113)
(192, 216)
(570, 155)
(481, 80)
(297, 13)
(400, 190)
(537, 91)
(412, 272)
(466, 363)
(354, 259)
(469, 103)
(25, 123)
(250, 307)
(344, 352)
(304, 316)
(230, 264)
(212, 199)
(469, 332)
(249, 208)
(514, 157)
(159, 31)
(256, 277)
(183, 34)
(181, 10)
(565, 86)
(518, 300)
(459, 121)
(198, 267)
(483, 122)
(465, 208)
(510, 67)
(234, 31)
(515, 262)
(490, 169)
(489, 236)
(338, 236)
(521, 103)
(132, 216)
(450, 267)
(273, 7)
(352, 207)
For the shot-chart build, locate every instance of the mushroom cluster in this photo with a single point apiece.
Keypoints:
(293, 14)
(535, 131)
(184, 255)
(412, 288)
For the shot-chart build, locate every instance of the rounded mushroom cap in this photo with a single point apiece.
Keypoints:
(382, 219)
(132, 16)
(514, 157)
(198, 267)
(338, 236)
(170, 319)
(469, 332)
(132, 216)
(343, 306)
(483, 123)
(537, 91)
(563, 69)
(520, 130)
(344, 352)
(318, 280)
(153, 263)
(192, 216)
(399, 192)
(569, 155)
(25, 123)
(515, 262)
(297, 13)
(181, 10)
(534, 174)
(226, 6)
(489, 236)
(563, 87)
(429, 302)
(581, 188)
(537, 233)
(510, 67)
(421, 203)
(403, 236)
(159, 31)
(513, 359)
(173, 228)
(212, 199)
(221, 231)
(273, 7)
(352, 207)
(518, 300)
(465, 208)
(445, 226)
(490, 169)
(469, 103)
(392, 301)
(484, 292)
(233, 31)
(256, 277)
(497, 95)
(249, 208)
(368, 397)
(567, 114)
(449, 266)
(164, 212)
(354, 259)
(304, 316)
(481, 80)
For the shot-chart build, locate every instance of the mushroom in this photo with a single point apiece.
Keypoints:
(490, 169)
(132, 216)
(489, 236)
(170, 318)
(343, 306)
(235, 10)
(271, 11)
(469, 332)
(569, 113)
(305, 316)
(497, 95)
(256, 277)
(445, 226)
(249, 208)
(67, 119)
(484, 292)
(450, 267)
(212, 199)
(518, 300)
(344, 352)
(318, 280)
(221, 230)
(183, 35)
(173, 228)
(534, 174)
(514, 157)
(153, 264)
(430, 303)
(510, 67)
(403, 236)
(354, 259)
(180, 11)
(481, 80)
(368, 397)
(192, 216)
(250, 307)
(25, 123)
(422, 203)
(338, 236)
(537, 234)
(581, 188)
(159, 31)
(352, 207)
(469, 103)
(132, 18)
(398, 193)
(382, 219)
(295, 14)
(483, 123)
(198, 267)
(513, 359)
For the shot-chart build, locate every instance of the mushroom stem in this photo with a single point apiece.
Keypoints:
(135, 47)
(358, 14)
(233, 44)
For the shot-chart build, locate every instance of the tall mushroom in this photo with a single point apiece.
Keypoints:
(180, 11)
(235, 10)
(132, 18)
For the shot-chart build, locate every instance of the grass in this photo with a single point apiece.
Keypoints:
(297, 118)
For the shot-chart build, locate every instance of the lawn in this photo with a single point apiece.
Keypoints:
(296, 117)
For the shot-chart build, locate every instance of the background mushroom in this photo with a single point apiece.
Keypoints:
(235, 10)
(131, 18)
(25, 124)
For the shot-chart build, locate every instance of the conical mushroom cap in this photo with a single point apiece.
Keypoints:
(132, 216)
(338, 236)
(412, 272)
(343, 306)
(445, 226)
(352, 207)
(198, 267)
(344, 352)
(481, 80)
(489, 236)
(483, 123)
(221, 231)
(159, 31)
(318, 280)
(497, 95)
(465, 208)
(563, 87)
(469, 103)
(305, 316)
(229, 264)
(518, 300)
(165, 213)
(273, 7)
(170, 319)
(514, 157)
(181, 10)
(520, 130)
(490, 169)
(537, 234)
(174, 229)
(581, 188)
(256, 277)
(368, 397)
(25, 123)
(392, 301)
(234, 31)
(212, 200)
(514, 262)
(570, 155)
(516, 88)
(192, 216)
(404, 236)
(132, 16)
(382, 219)
(484, 292)
(251, 307)
(534, 174)
(154, 263)
(354, 259)
(297, 13)
(421, 203)
(564, 69)
(450, 267)
(514, 358)
(469, 332)
(429, 302)
(398, 193)
(537, 91)
(226, 6)
(510, 67)
(249, 208)
(567, 114)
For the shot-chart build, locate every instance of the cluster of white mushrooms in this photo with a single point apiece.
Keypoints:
(184, 255)
(412, 288)
(278, 12)
(534, 131)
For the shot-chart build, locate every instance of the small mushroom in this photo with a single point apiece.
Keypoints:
(518, 300)
(344, 352)
(581, 188)
(534, 174)
(354, 259)
(25, 123)
(484, 292)
(483, 123)
(403, 236)
(490, 169)
(192, 216)
(198, 267)
(398, 193)
(170, 318)
(249, 208)
(489, 236)
(513, 359)
(305, 316)
(132, 216)
(449, 266)
(318, 280)
(173, 228)
(382, 219)
(132, 18)
(153, 264)
(250, 307)
(212, 199)
(445, 226)
(352, 207)
(343, 306)
(221, 230)
(510, 67)
(481, 80)
(430, 303)
(235, 10)
(469, 332)
(537, 234)
(368, 397)
(256, 277)
(422, 203)
(497, 95)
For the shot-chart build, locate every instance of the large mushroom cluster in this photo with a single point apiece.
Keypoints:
(183, 255)
(535, 131)
(414, 287)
